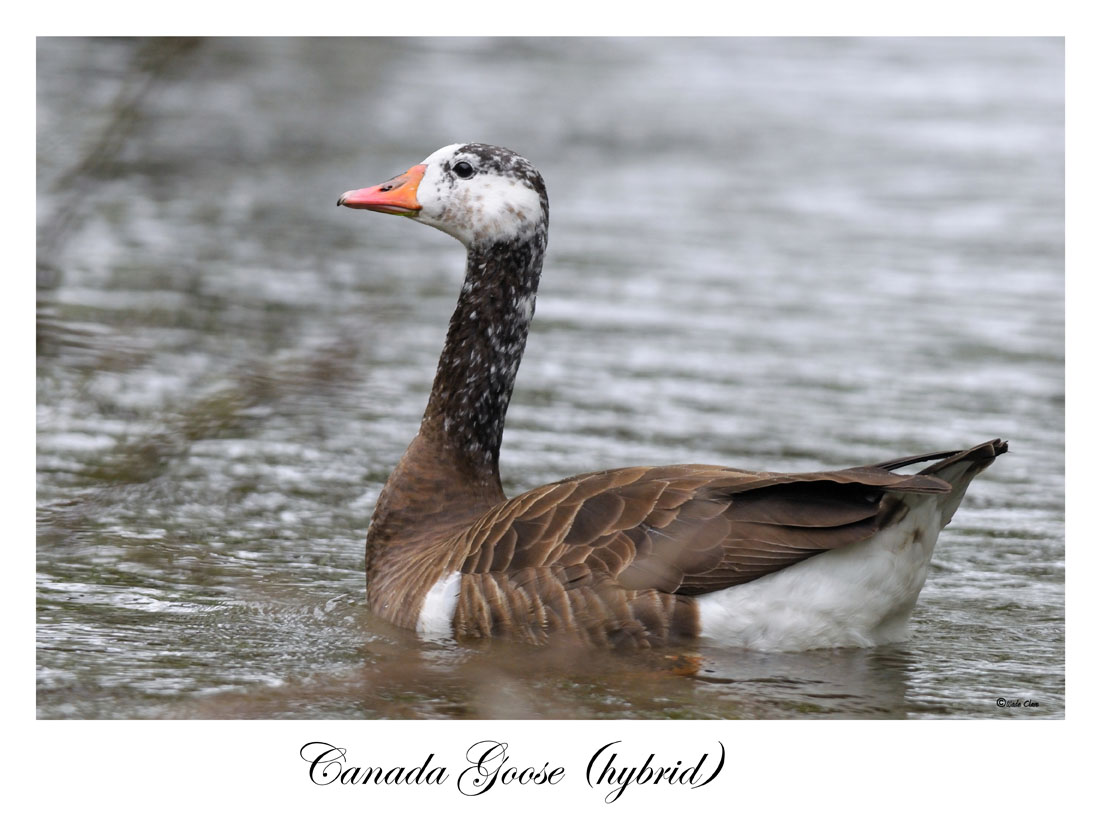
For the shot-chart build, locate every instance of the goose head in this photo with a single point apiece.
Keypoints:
(480, 194)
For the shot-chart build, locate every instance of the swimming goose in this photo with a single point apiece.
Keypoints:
(634, 557)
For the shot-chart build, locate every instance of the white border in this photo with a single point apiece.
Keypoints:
(860, 773)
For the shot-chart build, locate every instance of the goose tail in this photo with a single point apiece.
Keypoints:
(956, 468)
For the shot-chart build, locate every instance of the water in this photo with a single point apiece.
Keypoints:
(772, 254)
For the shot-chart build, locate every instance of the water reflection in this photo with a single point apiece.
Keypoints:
(849, 683)
(406, 679)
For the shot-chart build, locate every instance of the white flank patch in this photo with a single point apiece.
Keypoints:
(859, 595)
(438, 610)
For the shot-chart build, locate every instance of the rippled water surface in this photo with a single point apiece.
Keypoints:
(781, 254)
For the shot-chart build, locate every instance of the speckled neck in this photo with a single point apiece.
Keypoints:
(465, 416)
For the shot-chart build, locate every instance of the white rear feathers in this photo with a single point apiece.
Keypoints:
(859, 595)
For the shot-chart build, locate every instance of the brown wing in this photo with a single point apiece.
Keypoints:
(621, 550)
(688, 529)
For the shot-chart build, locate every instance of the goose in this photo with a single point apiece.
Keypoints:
(630, 558)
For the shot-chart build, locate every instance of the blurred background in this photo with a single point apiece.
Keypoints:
(784, 254)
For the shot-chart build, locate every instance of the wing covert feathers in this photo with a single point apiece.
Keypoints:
(618, 554)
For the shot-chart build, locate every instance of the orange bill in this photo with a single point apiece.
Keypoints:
(397, 196)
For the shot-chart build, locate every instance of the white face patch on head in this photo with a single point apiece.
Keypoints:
(488, 206)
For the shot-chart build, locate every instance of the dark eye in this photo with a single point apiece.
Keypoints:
(463, 170)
